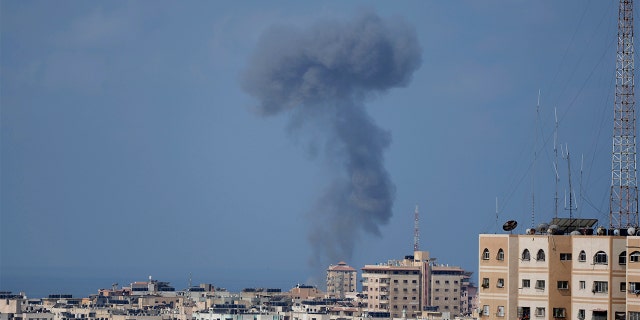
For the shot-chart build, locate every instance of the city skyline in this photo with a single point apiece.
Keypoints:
(130, 149)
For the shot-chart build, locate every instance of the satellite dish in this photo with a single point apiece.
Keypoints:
(509, 225)
(616, 232)
(601, 231)
(542, 228)
(631, 231)
(575, 233)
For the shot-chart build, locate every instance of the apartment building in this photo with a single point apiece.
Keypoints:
(560, 274)
(397, 286)
(341, 279)
(449, 289)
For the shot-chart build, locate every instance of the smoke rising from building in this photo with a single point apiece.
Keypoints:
(321, 77)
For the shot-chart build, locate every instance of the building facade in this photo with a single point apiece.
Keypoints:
(341, 280)
(559, 276)
(449, 289)
(400, 287)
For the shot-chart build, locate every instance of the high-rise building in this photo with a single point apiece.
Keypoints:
(399, 287)
(449, 289)
(405, 288)
(341, 279)
(393, 288)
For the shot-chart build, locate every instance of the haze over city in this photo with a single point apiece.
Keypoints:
(141, 138)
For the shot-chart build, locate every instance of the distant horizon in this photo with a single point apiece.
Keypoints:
(86, 285)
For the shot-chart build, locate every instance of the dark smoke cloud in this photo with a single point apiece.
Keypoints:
(322, 76)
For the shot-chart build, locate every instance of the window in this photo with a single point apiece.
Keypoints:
(485, 254)
(500, 254)
(563, 285)
(634, 287)
(485, 282)
(582, 257)
(581, 314)
(634, 256)
(539, 312)
(623, 286)
(622, 258)
(485, 310)
(583, 285)
(500, 283)
(446, 282)
(559, 313)
(524, 312)
(633, 315)
(600, 287)
(500, 311)
(600, 258)
(540, 255)
(565, 256)
(526, 256)
(526, 283)
(540, 284)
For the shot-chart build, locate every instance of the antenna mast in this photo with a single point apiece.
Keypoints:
(623, 204)
(535, 156)
(555, 163)
(416, 231)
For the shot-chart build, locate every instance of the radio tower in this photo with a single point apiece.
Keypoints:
(623, 204)
(416, 231)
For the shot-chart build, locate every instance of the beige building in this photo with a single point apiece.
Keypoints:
(398, 286)
(559, 276)
(341, 280)
(449, 289)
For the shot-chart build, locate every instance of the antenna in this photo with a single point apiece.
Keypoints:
(416, 230)
(533, 172)
(555, 164)
(571, 193)
(496, 210)
(623, 203)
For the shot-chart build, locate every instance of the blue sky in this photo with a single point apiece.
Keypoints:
(129, 147)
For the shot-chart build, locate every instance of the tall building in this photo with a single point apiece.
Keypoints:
(400, 287)
(415, 284)
(341, 279)
(449, 289)
(571, 275)
(393, 287)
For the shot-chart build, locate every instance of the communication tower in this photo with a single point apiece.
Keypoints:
(623, 204)
(416, 230)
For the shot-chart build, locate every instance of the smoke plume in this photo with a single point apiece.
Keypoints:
(322, 76)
